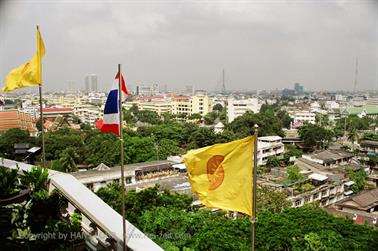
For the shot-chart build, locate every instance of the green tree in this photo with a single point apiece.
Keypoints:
(359, 177)
(11, 137)
(138, 149)
(172, 223)
(315, 136)
(210, 118)
(291, 151)
(353, 136)
(370, 136)
(57, 141)
(271, 200)
(202, 137)
(272, 161)
(102, 148)
(167, 147)
(268, 124)
(293, 173)
(218, 107)
(195, 116)
(68, 159)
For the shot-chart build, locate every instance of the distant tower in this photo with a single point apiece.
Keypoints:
(91, 83)
(223, 83)
(355, 76)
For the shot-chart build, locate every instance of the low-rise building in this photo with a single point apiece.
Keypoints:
(17, 119)
(300, 117)
(329, 158)
(369, 146)
(200, 103)
(269, 146)
(134, 174)
(88, 113)
(237, 107)
(328, 189)
(52, 113)
(362, 208)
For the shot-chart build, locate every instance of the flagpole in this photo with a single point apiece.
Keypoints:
(124, 246)
(41, 117)
(42, 131)
(254, 188)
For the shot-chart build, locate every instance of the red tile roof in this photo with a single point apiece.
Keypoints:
(16, 119)
(56, 110)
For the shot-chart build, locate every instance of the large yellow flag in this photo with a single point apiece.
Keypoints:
(221, 175)
(28, 74)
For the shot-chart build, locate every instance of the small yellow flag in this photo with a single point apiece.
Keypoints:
(28, 74)
(221, 175)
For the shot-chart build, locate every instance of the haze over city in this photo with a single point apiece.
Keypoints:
(261, 45)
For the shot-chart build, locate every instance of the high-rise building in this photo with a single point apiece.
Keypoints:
(298, 88)
(91, 83)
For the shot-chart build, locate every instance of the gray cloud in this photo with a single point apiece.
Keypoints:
(261, 44)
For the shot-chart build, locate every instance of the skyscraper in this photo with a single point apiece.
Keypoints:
(298, 88)
(91, 83)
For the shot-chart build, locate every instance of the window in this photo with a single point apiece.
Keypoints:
(298, 203)
(307, 198)
(316, 196)
(128, 180)
(324, 193)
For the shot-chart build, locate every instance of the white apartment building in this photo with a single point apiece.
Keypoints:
(269, 146)
(300, 117)
(331, 105)
(236, 108)
(147, 89)
(159, 106)
(326, 191)
(88, 113)
(199, 103)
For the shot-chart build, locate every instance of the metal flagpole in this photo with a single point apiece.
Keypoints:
(41, 118)
(254, 188)
(124, 246)
(42, 129)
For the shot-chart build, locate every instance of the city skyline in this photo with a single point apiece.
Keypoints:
(261, 46)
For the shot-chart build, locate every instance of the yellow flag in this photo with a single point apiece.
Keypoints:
(221, 175)
(28, 74)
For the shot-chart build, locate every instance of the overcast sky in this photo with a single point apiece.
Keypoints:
(262, 45)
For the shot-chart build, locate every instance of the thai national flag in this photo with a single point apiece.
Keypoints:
(110, 122)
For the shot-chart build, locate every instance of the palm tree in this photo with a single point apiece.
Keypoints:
(353, 136)
(68, 159)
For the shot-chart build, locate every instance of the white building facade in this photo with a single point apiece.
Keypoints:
(269, 146)
(236, 108)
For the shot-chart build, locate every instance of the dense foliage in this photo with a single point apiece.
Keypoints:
(30, 224)
(169, 220)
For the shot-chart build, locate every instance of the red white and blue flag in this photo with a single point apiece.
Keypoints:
(110, 121)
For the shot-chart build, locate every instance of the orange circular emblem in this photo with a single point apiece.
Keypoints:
(215, 171)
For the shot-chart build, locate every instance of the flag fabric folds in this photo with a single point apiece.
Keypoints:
(110, 122)
(221, 175)
(28, 74)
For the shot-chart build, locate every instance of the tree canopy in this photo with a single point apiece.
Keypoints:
(170, 220)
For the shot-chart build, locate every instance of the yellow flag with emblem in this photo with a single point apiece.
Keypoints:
(28, 74)
(221, 175)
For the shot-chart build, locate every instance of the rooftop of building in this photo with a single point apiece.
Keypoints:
(56, 109)
(362, 201)
(95, 175)
(369, 143)
(270, 138)
(329, 156)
